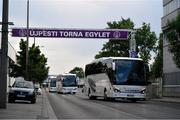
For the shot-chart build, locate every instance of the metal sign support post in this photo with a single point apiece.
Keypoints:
(132, 45)
(4, 55)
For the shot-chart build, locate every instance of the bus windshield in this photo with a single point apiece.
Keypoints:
(69, 81)
(53, 82)
(130, 72)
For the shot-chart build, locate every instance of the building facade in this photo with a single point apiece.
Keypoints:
(11, 59)
(171, 74)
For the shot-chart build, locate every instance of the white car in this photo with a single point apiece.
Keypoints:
(38, 89)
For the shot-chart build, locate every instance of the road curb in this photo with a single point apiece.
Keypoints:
(47, 110)
(165, 101)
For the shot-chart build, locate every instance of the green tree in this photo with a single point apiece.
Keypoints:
(157, 68)
(78, 71)
(37, 67)
(145, 41)
(174, 39)
(116, 48)
(19, 68)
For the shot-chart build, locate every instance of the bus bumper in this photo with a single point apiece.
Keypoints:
(129, 95)
(69, 90)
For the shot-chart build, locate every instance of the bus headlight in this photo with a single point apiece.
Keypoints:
(143, 90)
(116, 89)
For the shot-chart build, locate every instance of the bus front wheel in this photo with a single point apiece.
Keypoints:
(90, 96)
(105, 95)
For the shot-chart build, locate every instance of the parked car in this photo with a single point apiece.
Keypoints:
(22, 90)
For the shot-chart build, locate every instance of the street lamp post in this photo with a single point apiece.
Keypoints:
(27, 42)
(4, 55)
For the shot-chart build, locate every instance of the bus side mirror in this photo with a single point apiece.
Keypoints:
(113, 66)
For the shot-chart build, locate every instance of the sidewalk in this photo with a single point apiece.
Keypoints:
(24, 110)
(167, 99)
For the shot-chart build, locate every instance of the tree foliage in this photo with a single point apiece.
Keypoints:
(78, 71)
(145, 41)
(157, 68)
(37, 67)
(116, 48)
(174, 40)
(18, 70)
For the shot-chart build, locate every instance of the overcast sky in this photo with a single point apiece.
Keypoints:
(64, 54)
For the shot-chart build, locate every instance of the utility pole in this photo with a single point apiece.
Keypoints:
(34, 41)
(4, 55)
(27, 42)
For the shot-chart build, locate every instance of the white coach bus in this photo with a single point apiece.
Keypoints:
(116, 77)
(67, 83)
(52, 83)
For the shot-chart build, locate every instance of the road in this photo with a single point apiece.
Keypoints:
(80, 107)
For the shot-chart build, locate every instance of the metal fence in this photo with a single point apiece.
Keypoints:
(155, 89)
(171, 84)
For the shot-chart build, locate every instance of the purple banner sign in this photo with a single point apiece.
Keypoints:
(72, 33)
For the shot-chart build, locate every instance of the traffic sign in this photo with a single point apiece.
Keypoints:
(134, 54)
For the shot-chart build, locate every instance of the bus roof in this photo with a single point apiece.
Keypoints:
(111, 59)
(52, 76)
(67, 74)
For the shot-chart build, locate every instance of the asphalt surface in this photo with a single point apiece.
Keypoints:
(80, 107)
(25, 110)
(22, 110)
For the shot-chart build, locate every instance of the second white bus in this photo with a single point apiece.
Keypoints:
(52, 84)
(67, 83)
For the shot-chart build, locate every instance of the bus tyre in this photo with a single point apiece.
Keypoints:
(90, 96)
(105, 95)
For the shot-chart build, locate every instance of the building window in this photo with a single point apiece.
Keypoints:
(171, 6)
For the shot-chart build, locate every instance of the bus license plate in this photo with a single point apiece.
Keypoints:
(130, 95)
